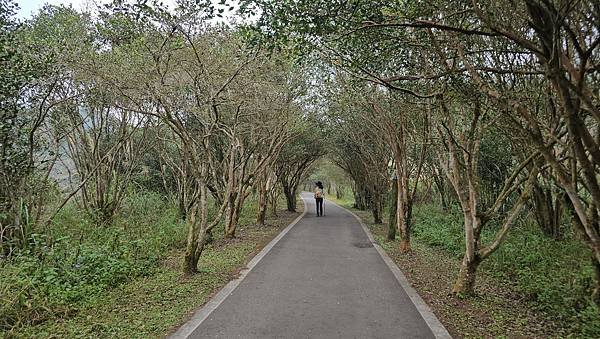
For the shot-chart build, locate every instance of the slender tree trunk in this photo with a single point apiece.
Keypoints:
(376, 214)
(465, 282)
(238, 211)
(358, 201)
(229, 212)
(235, 215)
(190, 262)
(262, 212)
(273, 200)
(402, 210)
(202, 241)
(361, 198)
(231, 225)
(291, 202)
(339, 192)
(391, 235)
(406, 229)
(233, 212)
(290, 198)
(377, 208)
(440, 185)
(262, 202)
(547, 211)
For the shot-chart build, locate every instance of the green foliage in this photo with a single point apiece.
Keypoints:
(588, 321)
(81, 260)
(439, 229)
(32, 57)
(16, 75)
(554, 277)
(495, 160)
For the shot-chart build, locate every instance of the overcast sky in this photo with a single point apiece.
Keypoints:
(28, 7)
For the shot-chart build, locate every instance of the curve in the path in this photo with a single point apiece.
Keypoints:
(323, 279)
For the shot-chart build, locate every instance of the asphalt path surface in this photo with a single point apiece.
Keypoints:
(323, 279)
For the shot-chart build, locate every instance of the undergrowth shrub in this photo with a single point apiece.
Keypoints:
(553, 276)
(77, 260)
(439, 229)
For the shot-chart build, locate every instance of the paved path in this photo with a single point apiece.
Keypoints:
(323, 279)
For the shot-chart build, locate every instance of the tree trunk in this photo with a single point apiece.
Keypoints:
(262, 213)
(361, 199)
(229, 213)
(403, 213)
(377, 208)
(235, 216)
(262, 203)
(190, 261)
(391, 235)
(442, 190)
(376, 214)
(290, 198)
(182, 208)
(231, 226)
(405, 230)
(404, 243)
(465, 283)
(547, 211)
(273, 200)
(339, 192)
(236, 201)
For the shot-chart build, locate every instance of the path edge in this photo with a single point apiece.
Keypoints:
(435, 325)
(201, 314)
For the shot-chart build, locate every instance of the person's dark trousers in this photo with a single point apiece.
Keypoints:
(319, 207)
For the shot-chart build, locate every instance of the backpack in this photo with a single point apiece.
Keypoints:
(319, 193)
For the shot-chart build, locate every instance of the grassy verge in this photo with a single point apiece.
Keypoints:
(122, 280)
(531, 287)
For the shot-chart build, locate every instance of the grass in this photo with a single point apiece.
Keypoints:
(124, 279)
(532, 285)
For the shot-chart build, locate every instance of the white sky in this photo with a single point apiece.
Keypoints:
(30, 7)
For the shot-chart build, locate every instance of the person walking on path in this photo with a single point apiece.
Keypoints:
(319, 198)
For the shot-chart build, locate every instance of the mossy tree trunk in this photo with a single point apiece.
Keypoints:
(465, 282)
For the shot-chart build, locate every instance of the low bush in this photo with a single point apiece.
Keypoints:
(553, 276)
(76, 260)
